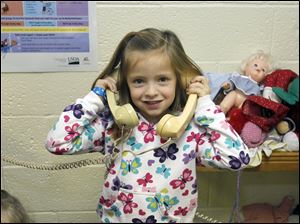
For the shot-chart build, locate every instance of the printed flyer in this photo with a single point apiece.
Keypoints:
(48, 36)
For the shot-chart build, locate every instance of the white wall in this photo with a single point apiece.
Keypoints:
(216, 34)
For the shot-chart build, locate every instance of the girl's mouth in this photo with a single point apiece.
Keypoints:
(152, 105)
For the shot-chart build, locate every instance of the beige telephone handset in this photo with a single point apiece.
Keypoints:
(123, 115)
(169, 126)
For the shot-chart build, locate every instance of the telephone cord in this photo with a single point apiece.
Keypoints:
(236, 205)
(206, 218)
(57, 166)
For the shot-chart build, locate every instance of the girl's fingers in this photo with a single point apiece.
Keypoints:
(107, 83)
(112, 83)
(200, 79)
(111, 79)
(112, 87)
(199, 85)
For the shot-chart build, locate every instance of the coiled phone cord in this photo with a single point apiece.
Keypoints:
(106, 159)
(206, 218)
(58, 166)
(236, 206)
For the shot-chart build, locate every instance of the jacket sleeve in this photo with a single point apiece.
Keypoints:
(80, 128)
(219, 145)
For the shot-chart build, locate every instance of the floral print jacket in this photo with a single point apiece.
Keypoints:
(156, 185)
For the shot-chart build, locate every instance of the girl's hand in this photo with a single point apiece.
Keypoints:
(107, 83)
(199, 85)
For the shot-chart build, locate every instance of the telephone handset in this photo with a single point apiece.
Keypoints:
(172, 126)
(169, 126)
(123, 115)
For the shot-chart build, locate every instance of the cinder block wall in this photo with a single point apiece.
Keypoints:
(216, 34)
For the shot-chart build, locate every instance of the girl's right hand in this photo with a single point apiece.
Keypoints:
(199, 85)
(107, 83)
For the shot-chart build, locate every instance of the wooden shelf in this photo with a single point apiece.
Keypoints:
(278, 161)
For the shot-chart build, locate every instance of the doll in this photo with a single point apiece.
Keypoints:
(254, 69)
(267, 213)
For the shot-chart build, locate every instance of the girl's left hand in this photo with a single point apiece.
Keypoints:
(199, 85)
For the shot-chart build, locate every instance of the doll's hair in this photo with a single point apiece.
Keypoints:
(146, 40)
(259, 55)
(12, 210)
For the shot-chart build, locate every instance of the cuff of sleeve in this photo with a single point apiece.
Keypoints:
(204, 101)
(94, 102)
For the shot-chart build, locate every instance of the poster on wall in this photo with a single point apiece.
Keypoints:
(48, 36)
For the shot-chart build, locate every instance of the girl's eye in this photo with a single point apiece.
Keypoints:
(163, 79)
(255, 65)
(138, 81)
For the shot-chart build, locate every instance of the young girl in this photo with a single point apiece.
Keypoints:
(150, 179)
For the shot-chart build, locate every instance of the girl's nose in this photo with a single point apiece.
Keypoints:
(151, 90)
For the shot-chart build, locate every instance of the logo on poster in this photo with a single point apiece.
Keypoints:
(73, 61)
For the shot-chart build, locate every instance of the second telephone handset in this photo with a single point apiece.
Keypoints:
(169, 126)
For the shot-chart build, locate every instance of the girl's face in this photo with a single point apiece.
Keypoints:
(152, 83)
(257, 69)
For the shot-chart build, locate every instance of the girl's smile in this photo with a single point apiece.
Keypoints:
(153, 105)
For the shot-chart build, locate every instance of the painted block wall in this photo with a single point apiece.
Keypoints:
(215, 34)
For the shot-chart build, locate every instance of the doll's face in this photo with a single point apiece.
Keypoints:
(257, 69)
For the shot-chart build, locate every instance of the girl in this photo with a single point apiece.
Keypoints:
(149, 179)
